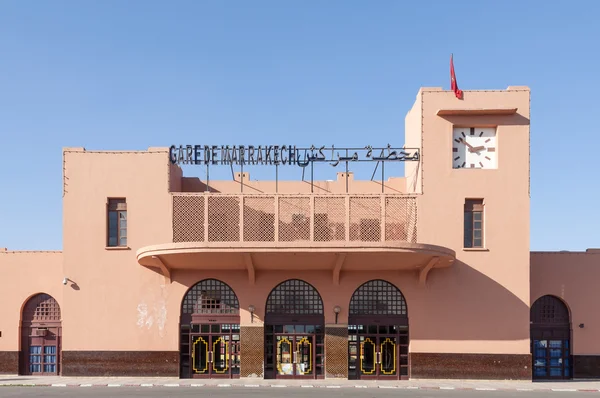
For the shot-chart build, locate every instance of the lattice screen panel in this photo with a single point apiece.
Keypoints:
(223, 218)
(259, 219)
(330, 219)
(365, 219)
(188, 219)
(400, 219)
(294, 219)
(336, 347)
(252, 346)
(41, 307)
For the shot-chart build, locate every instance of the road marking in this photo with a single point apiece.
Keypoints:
(146, 385)
(446, 388)
(59, 385)
(85, 385)
(486, 389)
(564, 389)
(113, 385)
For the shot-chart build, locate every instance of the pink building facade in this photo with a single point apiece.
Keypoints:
(427, 275)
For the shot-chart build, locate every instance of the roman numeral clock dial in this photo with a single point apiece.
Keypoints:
(474, 148)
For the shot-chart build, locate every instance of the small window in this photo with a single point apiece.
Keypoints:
(473, 229)
(117, 223)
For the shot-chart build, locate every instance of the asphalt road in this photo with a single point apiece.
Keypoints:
(126, 392)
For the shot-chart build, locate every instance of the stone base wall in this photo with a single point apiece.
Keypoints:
(470, 366)
(252, 350)
(120, 363)
(9, 362)
(586, 366)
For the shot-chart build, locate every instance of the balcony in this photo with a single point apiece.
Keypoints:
(294, 219)
(308, 232)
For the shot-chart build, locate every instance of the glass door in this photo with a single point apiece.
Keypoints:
(551, 359)
(42, 357)
(294, 355)
(215, 354)
(377, 352)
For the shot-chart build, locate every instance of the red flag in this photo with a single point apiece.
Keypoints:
(453, 84)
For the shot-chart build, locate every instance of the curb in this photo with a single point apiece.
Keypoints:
(402, 387)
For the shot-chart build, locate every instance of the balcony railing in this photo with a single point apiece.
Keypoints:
(294, 218)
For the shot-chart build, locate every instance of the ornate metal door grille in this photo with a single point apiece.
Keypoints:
(551, 339)
(294, 297)
(206, 307)
(294, 319)
(41, 336)
(378, 333)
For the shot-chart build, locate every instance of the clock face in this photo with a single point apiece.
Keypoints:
(474, 148)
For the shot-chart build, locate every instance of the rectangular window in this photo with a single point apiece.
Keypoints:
(117, 223)
(473, 229)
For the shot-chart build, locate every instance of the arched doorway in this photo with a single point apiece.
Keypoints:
(551, 339)
(294, 331)
(378, 332)
(210, 331)
(41, 336)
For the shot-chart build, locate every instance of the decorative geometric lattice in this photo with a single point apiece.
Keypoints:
(550, 310)
(377, 297)
(259, 219)
(330, 219)
(294, 219)
(400, 219)
(188, 218)
(336, 347)
(252, 345)
(365, 219)
(294, 297)
(41, 307)
(223, 218)
(210, 296)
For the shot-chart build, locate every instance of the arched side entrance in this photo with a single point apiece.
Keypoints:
(210, 331)
(551, 339)
(41, 336)
(294, 332)
(378, 332)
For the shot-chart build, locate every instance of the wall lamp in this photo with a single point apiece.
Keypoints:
(581, 325)
(336, 310)
(251, 308)
(65, 280)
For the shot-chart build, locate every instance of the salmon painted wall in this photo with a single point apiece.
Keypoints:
(484, 296)
(572, 277)
(24, 274)
(118, 304)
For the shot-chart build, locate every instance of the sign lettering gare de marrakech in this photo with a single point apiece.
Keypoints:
(285, 155)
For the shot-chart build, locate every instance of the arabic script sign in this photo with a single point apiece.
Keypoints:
(285, 155)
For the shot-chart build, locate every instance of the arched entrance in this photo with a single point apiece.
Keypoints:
(378, 332)
(41, 336)
(294, 331)
(551, 339)
(210, 331)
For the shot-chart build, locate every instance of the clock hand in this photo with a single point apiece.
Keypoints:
(466, 143)
(476, 149)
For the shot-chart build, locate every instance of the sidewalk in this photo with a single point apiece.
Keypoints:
(483, 385)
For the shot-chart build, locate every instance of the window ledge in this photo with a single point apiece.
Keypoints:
(117, 248)
(475, 249)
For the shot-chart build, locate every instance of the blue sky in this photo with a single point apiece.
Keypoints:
(134, 74)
